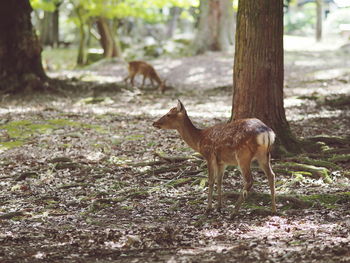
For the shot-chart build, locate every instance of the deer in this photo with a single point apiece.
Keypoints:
(145, 69)
(234, 143)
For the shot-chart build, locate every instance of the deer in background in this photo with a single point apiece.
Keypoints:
(145, 69)
(235, 143)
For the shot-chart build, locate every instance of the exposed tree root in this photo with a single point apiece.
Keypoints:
(315, 172)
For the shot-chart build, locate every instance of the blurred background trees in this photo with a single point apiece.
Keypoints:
(147, 29)
(215, 26)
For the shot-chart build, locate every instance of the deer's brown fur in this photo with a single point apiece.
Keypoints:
(147, 71)
(235, 143)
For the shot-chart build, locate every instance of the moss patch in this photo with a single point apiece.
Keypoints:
(20, 131)
(328, 200)
(317, 172)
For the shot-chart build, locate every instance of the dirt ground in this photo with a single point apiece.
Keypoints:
(90, 179)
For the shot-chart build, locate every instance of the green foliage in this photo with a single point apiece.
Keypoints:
(46, 5)
(147, 10)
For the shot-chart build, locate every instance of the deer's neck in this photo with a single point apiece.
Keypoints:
(190, 134)
(156, 77)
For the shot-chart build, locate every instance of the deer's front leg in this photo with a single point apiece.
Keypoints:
(212, 169)
(220, 174)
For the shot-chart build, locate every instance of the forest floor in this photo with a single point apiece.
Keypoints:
(84, 177)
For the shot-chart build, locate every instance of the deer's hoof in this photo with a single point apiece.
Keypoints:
(245, 194)
(233, 215)
(208, 211)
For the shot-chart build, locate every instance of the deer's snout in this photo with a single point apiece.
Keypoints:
(156, 124)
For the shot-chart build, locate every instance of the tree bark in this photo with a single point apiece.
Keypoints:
(215, 26)
(258, 68)
(20, 51)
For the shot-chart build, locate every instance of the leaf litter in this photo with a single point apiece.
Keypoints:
(95, 182)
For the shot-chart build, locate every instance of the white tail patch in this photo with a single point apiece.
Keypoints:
(266, 138)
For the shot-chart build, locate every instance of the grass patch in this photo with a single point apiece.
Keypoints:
(59, 58)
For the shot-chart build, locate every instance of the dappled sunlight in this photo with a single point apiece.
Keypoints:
(195, 73)
(307, 43)
(19, 109)
(320, 114)
(166, 66)
(293, 102)
(282, 234)
(217, 248)
(88, 172)
(331, 73)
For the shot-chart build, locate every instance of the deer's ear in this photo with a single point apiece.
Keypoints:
(180, 106)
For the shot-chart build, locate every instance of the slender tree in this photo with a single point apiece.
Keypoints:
(215, 26)
(20, 50)
(258, 68)
(319, 18)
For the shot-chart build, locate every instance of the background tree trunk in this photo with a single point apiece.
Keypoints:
(20, 50)
(81, 59)
(172, 23)
(107, 38)
(215, 26)
(46, 36)
(56, 27)
(258, 68)
(49, 28)
(319, 18)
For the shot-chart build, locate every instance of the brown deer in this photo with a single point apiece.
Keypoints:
(235, 143)
(145, 69)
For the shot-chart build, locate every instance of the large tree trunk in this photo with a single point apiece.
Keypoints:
(107, 40)
(258, 68)
(215, 26)
(20, 50)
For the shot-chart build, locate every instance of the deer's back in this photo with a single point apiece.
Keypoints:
(224, 140)
(141, 67)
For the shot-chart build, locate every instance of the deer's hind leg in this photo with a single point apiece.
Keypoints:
(263, 159)
(143, 80)
(244, 158)
(132, 77)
